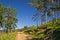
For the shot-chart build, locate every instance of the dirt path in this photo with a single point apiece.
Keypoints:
(21, 36)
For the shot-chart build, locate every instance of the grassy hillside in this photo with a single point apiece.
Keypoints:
(42, 32)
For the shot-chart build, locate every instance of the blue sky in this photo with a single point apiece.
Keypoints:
(25, 11)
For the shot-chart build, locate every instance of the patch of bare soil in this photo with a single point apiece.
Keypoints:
(21, 36)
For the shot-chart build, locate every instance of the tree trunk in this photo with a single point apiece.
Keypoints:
(43, 17)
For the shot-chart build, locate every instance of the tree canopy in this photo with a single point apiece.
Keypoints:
(8, 17)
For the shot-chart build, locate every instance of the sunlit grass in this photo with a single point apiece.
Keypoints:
(7, 36)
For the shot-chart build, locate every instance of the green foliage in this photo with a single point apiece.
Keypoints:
(8, 18)
(42, 6)
(38, 34)
(57, 34)
(42, 35)
(1, 14)
(38, 4)
(49, 12)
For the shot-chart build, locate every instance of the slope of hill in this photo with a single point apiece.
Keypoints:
(44, 32)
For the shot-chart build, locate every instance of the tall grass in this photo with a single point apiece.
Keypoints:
(7, 36)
